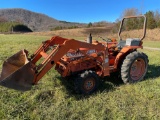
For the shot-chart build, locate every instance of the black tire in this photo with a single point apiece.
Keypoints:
(86, 82)
(134, 67)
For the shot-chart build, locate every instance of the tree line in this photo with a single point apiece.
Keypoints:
(153, 19)
(12, 26)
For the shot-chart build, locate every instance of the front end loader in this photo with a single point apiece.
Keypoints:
(83, 62)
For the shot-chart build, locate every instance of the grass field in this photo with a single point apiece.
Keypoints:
(54, 99)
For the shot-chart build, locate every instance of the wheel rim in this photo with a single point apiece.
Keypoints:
(137, 69)
(89, 84)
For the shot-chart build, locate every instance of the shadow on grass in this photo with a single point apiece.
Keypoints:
(107, 84)
(153, 72)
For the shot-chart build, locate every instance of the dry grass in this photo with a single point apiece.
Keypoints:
(78, 32)
(150, 34)
(101, 31)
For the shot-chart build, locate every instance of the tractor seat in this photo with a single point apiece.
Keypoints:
(128, 42)
(121, 44)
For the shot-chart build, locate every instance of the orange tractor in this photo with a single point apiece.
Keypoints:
(84, 62)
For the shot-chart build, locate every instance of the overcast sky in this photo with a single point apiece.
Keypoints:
(82, 10)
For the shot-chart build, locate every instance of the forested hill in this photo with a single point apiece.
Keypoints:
(35, 21)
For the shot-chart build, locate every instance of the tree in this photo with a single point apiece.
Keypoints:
(21, 28)
(157, 18)
(13, 27)
(151, 22)
(130, 12)
(115, 29)
(89, 24)
(132, 23)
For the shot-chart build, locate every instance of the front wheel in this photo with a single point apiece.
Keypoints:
(134, 67)
(87, 82)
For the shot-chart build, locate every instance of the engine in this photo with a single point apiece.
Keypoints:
(75, 61)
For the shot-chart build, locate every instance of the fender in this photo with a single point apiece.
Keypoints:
(123, 53)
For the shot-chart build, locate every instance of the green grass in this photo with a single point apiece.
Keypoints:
(54, 99)
(154, 44)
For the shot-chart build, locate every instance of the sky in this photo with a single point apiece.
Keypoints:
(83, 11)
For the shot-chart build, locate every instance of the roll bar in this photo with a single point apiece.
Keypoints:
(128, 17)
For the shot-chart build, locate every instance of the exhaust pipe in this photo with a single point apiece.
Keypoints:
(89, 39)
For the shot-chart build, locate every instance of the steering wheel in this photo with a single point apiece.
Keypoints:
(106, 40)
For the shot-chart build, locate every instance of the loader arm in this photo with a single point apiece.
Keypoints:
(63, 46)
(20, 72)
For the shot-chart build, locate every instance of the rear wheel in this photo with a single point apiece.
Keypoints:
(134, 67)
(87, 82)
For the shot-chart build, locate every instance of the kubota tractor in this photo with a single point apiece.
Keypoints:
(83, 62)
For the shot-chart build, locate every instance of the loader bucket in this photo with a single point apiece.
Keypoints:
(17, 72)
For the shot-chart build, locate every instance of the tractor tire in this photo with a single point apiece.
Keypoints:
(86, 82)
(134, 67)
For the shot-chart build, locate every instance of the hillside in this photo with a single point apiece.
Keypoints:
(35, 21)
